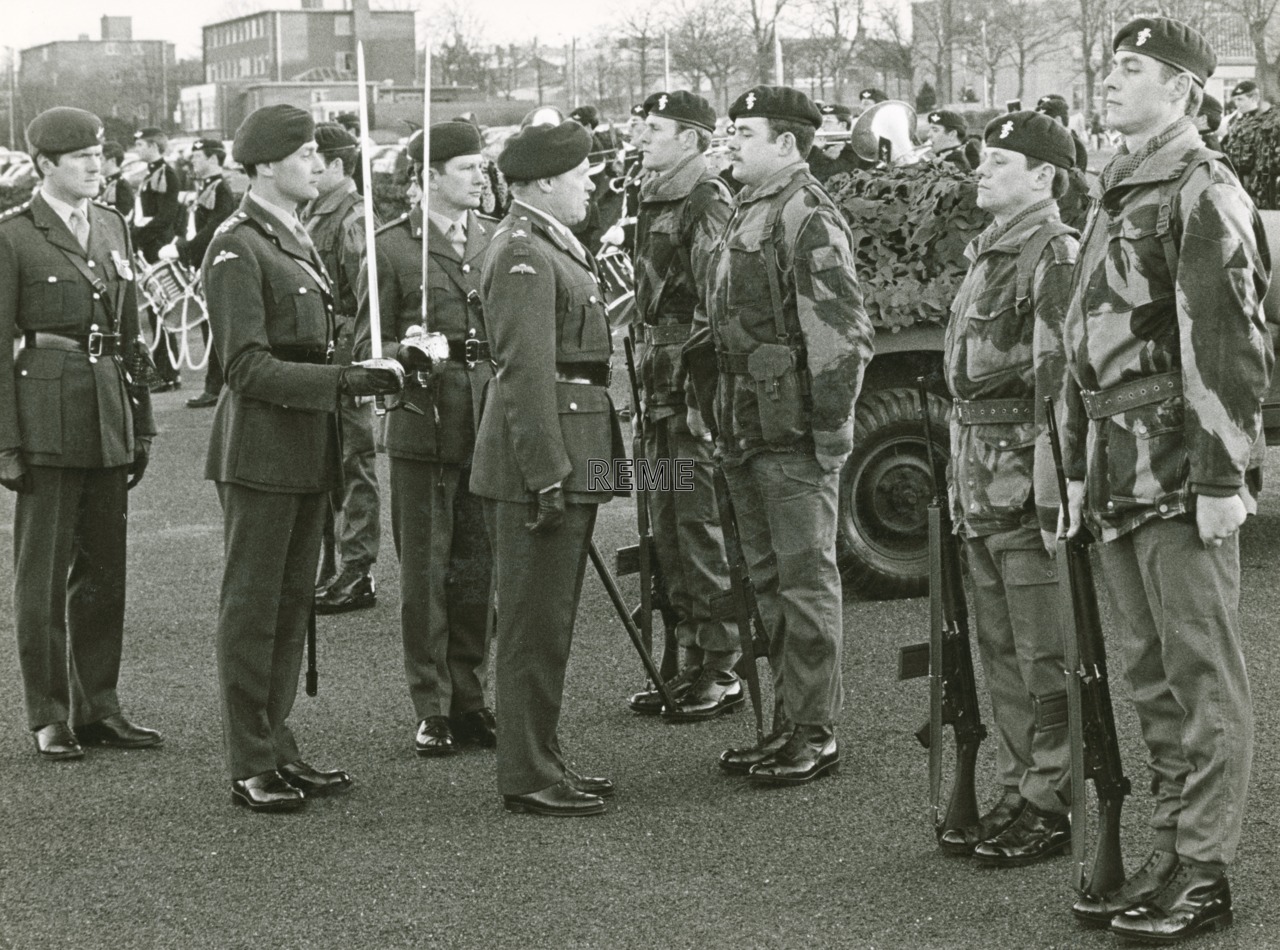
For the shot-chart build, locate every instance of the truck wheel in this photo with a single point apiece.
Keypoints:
(885, 488)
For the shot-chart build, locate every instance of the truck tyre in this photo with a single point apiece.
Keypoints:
(882, 537)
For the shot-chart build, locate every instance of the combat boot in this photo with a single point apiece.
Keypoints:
(350, 590)
(1138, 888)
(1035, 836)
(1195, 899)
(810, 753)
(741, 761)
(648, 702)
(713, 694)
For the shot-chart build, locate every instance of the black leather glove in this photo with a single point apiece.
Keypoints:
(13, 472)
(141, 456)
(413, 359)
(380, 377)
(547, 511)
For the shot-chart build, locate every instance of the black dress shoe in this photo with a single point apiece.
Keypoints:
(119, 732)
(267, 791)
(1139, 887)
(1036, 835)
(962, 841)
(435, 737)
(811, 752)
(559, 800)
(648, 702)
(587, 784)
(712, 694)
(313, 781)
(57, 743)
(351, 590)
(1193, 900)
(741, 761)
(203, 401)
(477, 727)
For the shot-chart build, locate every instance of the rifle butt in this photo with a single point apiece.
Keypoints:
(1108, 863)
(962, 809)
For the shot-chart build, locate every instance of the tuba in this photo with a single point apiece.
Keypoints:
(884, 134)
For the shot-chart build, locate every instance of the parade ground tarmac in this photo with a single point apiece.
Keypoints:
(144, 848)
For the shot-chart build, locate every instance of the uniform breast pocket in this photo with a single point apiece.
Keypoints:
(591, 336)
(49, 298)
(1136, 264)
(997, 339)
(1147, 454)
(747, 277)
(448, 311)
(302, 309)
(39, 391)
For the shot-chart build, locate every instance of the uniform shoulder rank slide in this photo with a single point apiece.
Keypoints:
(231, 222)
(522, 269)
(224, 256)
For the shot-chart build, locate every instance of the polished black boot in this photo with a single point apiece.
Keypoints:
(962, 841)
(1193, 900)
(1035, 836)
(809, 753)
(648, 702)
(1138, 888)
(741, 761)
(713, 694)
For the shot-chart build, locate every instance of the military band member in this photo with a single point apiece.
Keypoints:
(838, 157)
(213, 204)
(273, 452)
(75, 436)
(868, 98)
(1169, 358)
(791, 339)
(683, 211)
(1002, 356)
(547, 413)
(947, 134)
(158, 197)
(116, 190)
(352, 528)
(437, 524)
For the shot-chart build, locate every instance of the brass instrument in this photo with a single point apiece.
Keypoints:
(888, 125)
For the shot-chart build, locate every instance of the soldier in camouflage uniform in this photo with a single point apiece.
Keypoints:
(1003, 355)
(791, 339)
(683, 211)
(1253, 144)
(1169, 358)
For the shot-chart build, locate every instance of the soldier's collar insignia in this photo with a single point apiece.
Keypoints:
(751, 100)
(1006, 129)
(1143, 35)
(224, 256)
(662, 102)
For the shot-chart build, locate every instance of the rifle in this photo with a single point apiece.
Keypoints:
(641, 558)
(947, 659)
(1095, 748)
(742, 592)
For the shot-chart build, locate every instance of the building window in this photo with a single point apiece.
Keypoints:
(344, 61)
(342, 25)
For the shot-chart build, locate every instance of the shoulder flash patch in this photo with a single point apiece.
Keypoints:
(224, 256)
(522, 268)
(15, 211)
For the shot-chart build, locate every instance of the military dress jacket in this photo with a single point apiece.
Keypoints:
(1134, 328)
(682, 214)
(336, 224)
(794, 390)
(1002, 357)
(449, 396)
(117, 193)
(160, 198)
(214, 204)
(271, 311)
(545, 317)
(62, 407)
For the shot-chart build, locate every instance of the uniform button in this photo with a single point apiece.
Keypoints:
(466, 268)
(1111, 504)
(91, 264)
(97, 296)
(593, 298)
(1140, 429)
(23, 373)
(1163, 509)
(93, 327)
(573, 406)
(52, 279)
(302, 290)
(93, 359)
(1003, 443)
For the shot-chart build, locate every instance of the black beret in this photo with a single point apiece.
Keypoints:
(1211, 109)
(587, 115)
(949, 120)
(638, 110)
(64, 129)
(272, 133)
(1245, 87)
(332, 139)
(843, 113)
(872, 95)
(150, 134)
(448, 140)
(776, 102)
(1170, 41)
(544, 151)
(208, 146)
(684, 106)
(1053, 105)
(1033, 134)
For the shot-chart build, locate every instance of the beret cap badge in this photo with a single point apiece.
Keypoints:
(751, 100)
(662, 102)
(1143, 36)
(1006, 129)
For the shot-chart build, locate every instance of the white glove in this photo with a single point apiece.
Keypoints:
(168, 252)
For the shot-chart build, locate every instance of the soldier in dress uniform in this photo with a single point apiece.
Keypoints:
(116, 190)
(352, 527)
(869, 97)
(75, 435)
(436, 522)
(838, 157)
(213, 204)
(1002, 356)
(683, 211)
(947, 133)
(791, 340)
(546, 413)
(1169, 358)
(157, 219)
(274, 452)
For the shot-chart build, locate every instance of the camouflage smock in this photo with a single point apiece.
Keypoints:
(682, 215)
(1002, 474)
(1253, 145)
(809, 406)
(1129, 319)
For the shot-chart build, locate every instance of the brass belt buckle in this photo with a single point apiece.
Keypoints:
(471, 350)
(95, 344)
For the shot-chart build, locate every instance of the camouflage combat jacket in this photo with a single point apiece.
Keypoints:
(1253, 145)
(682, 215)
(794, 390)
(1173, 363)
(1002, 357)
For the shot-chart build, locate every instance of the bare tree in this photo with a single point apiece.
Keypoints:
(762, 22)
(642, 31)
(889, 51)
(936, 22)
(456, 36)
(989, 42)
(1257, 16)
(708, 40)
(1034, 28)
(835, 26)
(1090, 21)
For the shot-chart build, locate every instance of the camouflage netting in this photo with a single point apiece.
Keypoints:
(910, 225)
